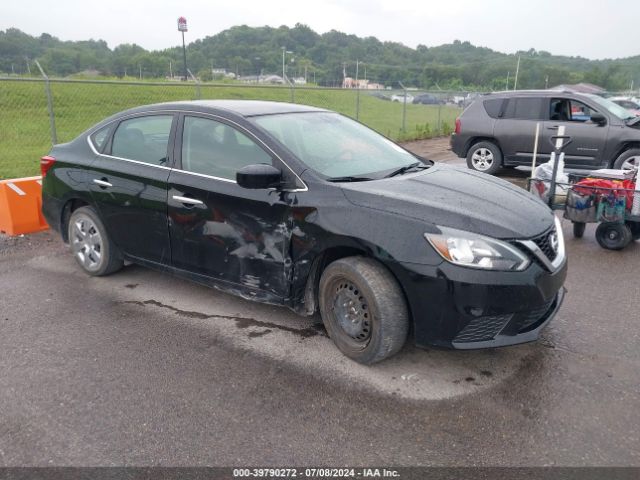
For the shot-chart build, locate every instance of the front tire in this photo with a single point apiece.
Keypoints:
(628, 160)
(93, 250)
(484, 157)
(363, 309)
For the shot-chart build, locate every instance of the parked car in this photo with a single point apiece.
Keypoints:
(630, 103)
(400, 97)
(427, 99)
(380, 95)
(302, 207)
(498, 130)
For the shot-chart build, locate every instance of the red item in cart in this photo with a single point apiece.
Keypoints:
(601, 186)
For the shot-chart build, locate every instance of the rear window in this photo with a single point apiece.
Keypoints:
(493, 106)
(524, 109)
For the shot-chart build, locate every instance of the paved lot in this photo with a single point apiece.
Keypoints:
(142, 368)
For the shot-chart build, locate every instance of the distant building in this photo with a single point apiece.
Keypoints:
(580, 88)
(270, 79)
(349, 82)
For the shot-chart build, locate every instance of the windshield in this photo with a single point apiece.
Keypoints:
(335, 146)
(613, 108)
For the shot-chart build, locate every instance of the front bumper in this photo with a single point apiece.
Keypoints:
(463, 308)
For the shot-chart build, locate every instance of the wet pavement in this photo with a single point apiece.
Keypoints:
(142, 368)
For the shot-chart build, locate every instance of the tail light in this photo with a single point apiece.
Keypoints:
(46, 163)
(458, 126)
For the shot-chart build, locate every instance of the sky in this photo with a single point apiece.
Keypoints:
(587, 28)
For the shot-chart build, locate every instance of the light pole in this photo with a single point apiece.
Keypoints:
(257, 59)
(182, 27)
(284, 51)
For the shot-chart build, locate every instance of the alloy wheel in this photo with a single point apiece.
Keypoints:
(482, 159)
(631, 163)
(86, 243)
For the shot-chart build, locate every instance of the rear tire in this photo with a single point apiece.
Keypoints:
(92, 249)
(628, 159)
(578, 229)
(613, 236)
(484, 157)
(363, 309)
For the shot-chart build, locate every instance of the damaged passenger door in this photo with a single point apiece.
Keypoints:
(238, 237)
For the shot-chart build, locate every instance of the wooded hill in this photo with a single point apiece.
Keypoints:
(247, 51)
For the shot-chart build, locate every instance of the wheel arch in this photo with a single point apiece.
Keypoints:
(308, 304)
(480, 138)
(71, 205)
(623, 147)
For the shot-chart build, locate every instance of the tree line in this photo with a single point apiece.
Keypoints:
(323, 58)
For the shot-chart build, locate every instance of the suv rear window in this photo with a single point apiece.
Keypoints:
(493, 106)
(524, 109)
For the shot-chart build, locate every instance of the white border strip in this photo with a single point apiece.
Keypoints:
(16, 189)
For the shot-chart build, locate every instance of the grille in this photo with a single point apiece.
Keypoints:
(533, 316)
(544, 243)
(482, 328)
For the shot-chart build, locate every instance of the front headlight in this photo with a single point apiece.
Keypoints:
(471, 250)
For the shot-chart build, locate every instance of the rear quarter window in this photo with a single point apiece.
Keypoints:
(99, 138)
(493, 107)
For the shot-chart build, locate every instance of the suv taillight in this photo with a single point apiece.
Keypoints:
(46, 163)
(458, 125)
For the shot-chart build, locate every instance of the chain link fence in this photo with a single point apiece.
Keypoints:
(34, 113)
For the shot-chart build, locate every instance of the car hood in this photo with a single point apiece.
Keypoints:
(456, 198)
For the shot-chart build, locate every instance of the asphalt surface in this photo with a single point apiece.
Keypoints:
(141, 368)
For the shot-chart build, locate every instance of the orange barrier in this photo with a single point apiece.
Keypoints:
(21, 205)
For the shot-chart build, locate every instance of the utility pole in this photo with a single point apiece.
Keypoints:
(515, 83)
(546, 82)
(182, 27)
(284, 51)
(507, 87)
(140, 68)
(170, 71)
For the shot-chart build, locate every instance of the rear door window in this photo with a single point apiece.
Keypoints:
(144, 139)
(524, 108)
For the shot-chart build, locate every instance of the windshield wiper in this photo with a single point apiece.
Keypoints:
(406, 168)
(349, 179)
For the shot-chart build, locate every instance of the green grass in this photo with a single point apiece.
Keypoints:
(24, 122)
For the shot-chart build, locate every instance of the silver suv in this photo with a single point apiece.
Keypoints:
(498, 129)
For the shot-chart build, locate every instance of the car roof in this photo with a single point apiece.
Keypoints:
(243, 108)
(540, 93)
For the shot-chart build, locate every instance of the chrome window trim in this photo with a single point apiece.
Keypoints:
(206, 114)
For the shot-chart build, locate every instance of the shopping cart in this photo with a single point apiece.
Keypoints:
(610, 198)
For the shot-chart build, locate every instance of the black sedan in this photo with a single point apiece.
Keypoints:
(298, 206)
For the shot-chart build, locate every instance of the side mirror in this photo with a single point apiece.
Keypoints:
(259, 176)
(598, 118)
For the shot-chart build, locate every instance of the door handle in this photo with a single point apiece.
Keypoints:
(187, 200)
(102, 183)
(555, 127)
